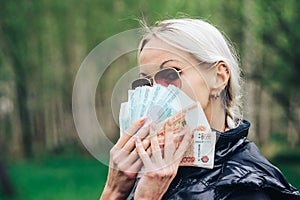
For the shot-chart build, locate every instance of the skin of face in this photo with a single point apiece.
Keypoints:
(195, 81)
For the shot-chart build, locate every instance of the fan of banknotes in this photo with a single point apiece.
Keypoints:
(157, 104)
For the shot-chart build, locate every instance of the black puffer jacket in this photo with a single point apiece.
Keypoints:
(240, 172)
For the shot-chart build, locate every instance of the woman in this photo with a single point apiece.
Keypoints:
(208, 71)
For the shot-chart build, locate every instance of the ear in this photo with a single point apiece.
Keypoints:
(222, 76)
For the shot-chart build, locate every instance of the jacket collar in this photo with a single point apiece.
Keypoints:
(229, 141)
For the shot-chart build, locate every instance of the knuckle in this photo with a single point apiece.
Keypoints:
(119, 167)
(161, 174)
(112, 152)
(114, 159)
(129, 175)
(153, 174)
(169, 173)
(122, 167)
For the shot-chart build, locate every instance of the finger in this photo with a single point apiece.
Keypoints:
(146, 144)
(177, 117)
(169, 141)
(129, 146)
(128, 161)
(125, 163)
(137, 165)
(185, 143)
(123, 158)
(156, 151)
(133, 128)
(133, 156)
(143, 154)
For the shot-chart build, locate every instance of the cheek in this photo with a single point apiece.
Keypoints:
(197, 90)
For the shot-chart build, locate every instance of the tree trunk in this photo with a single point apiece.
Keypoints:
(7, 188)
(22, 98)
(249, 68)
(264, 118)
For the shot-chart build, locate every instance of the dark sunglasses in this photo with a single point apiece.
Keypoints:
(164, 77)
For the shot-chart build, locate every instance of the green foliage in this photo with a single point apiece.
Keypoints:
(288, 162)
(291, 172)
(280, 35)
(61, 177)
(80, 177)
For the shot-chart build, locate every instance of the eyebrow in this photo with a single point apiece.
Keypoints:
(161, 66)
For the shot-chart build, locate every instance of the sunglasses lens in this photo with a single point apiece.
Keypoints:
(140, 82)
(167, 77)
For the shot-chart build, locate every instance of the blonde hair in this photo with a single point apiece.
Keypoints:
(207, 44)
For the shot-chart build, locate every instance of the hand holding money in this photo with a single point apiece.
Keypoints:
(161, 167)
(124, 162)
(159, 103)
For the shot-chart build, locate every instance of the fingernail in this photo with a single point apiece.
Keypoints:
(148, 121)
(179, 116)
(138, 140)
(142, 120)
(146, 142)
(169, 123)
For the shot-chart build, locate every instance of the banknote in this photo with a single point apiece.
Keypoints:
(159, 103)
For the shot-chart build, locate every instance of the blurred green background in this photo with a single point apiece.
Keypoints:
(43, 42)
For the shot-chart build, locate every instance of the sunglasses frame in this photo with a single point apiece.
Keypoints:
(152, 81)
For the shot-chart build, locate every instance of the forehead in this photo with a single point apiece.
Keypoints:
(156, 52)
